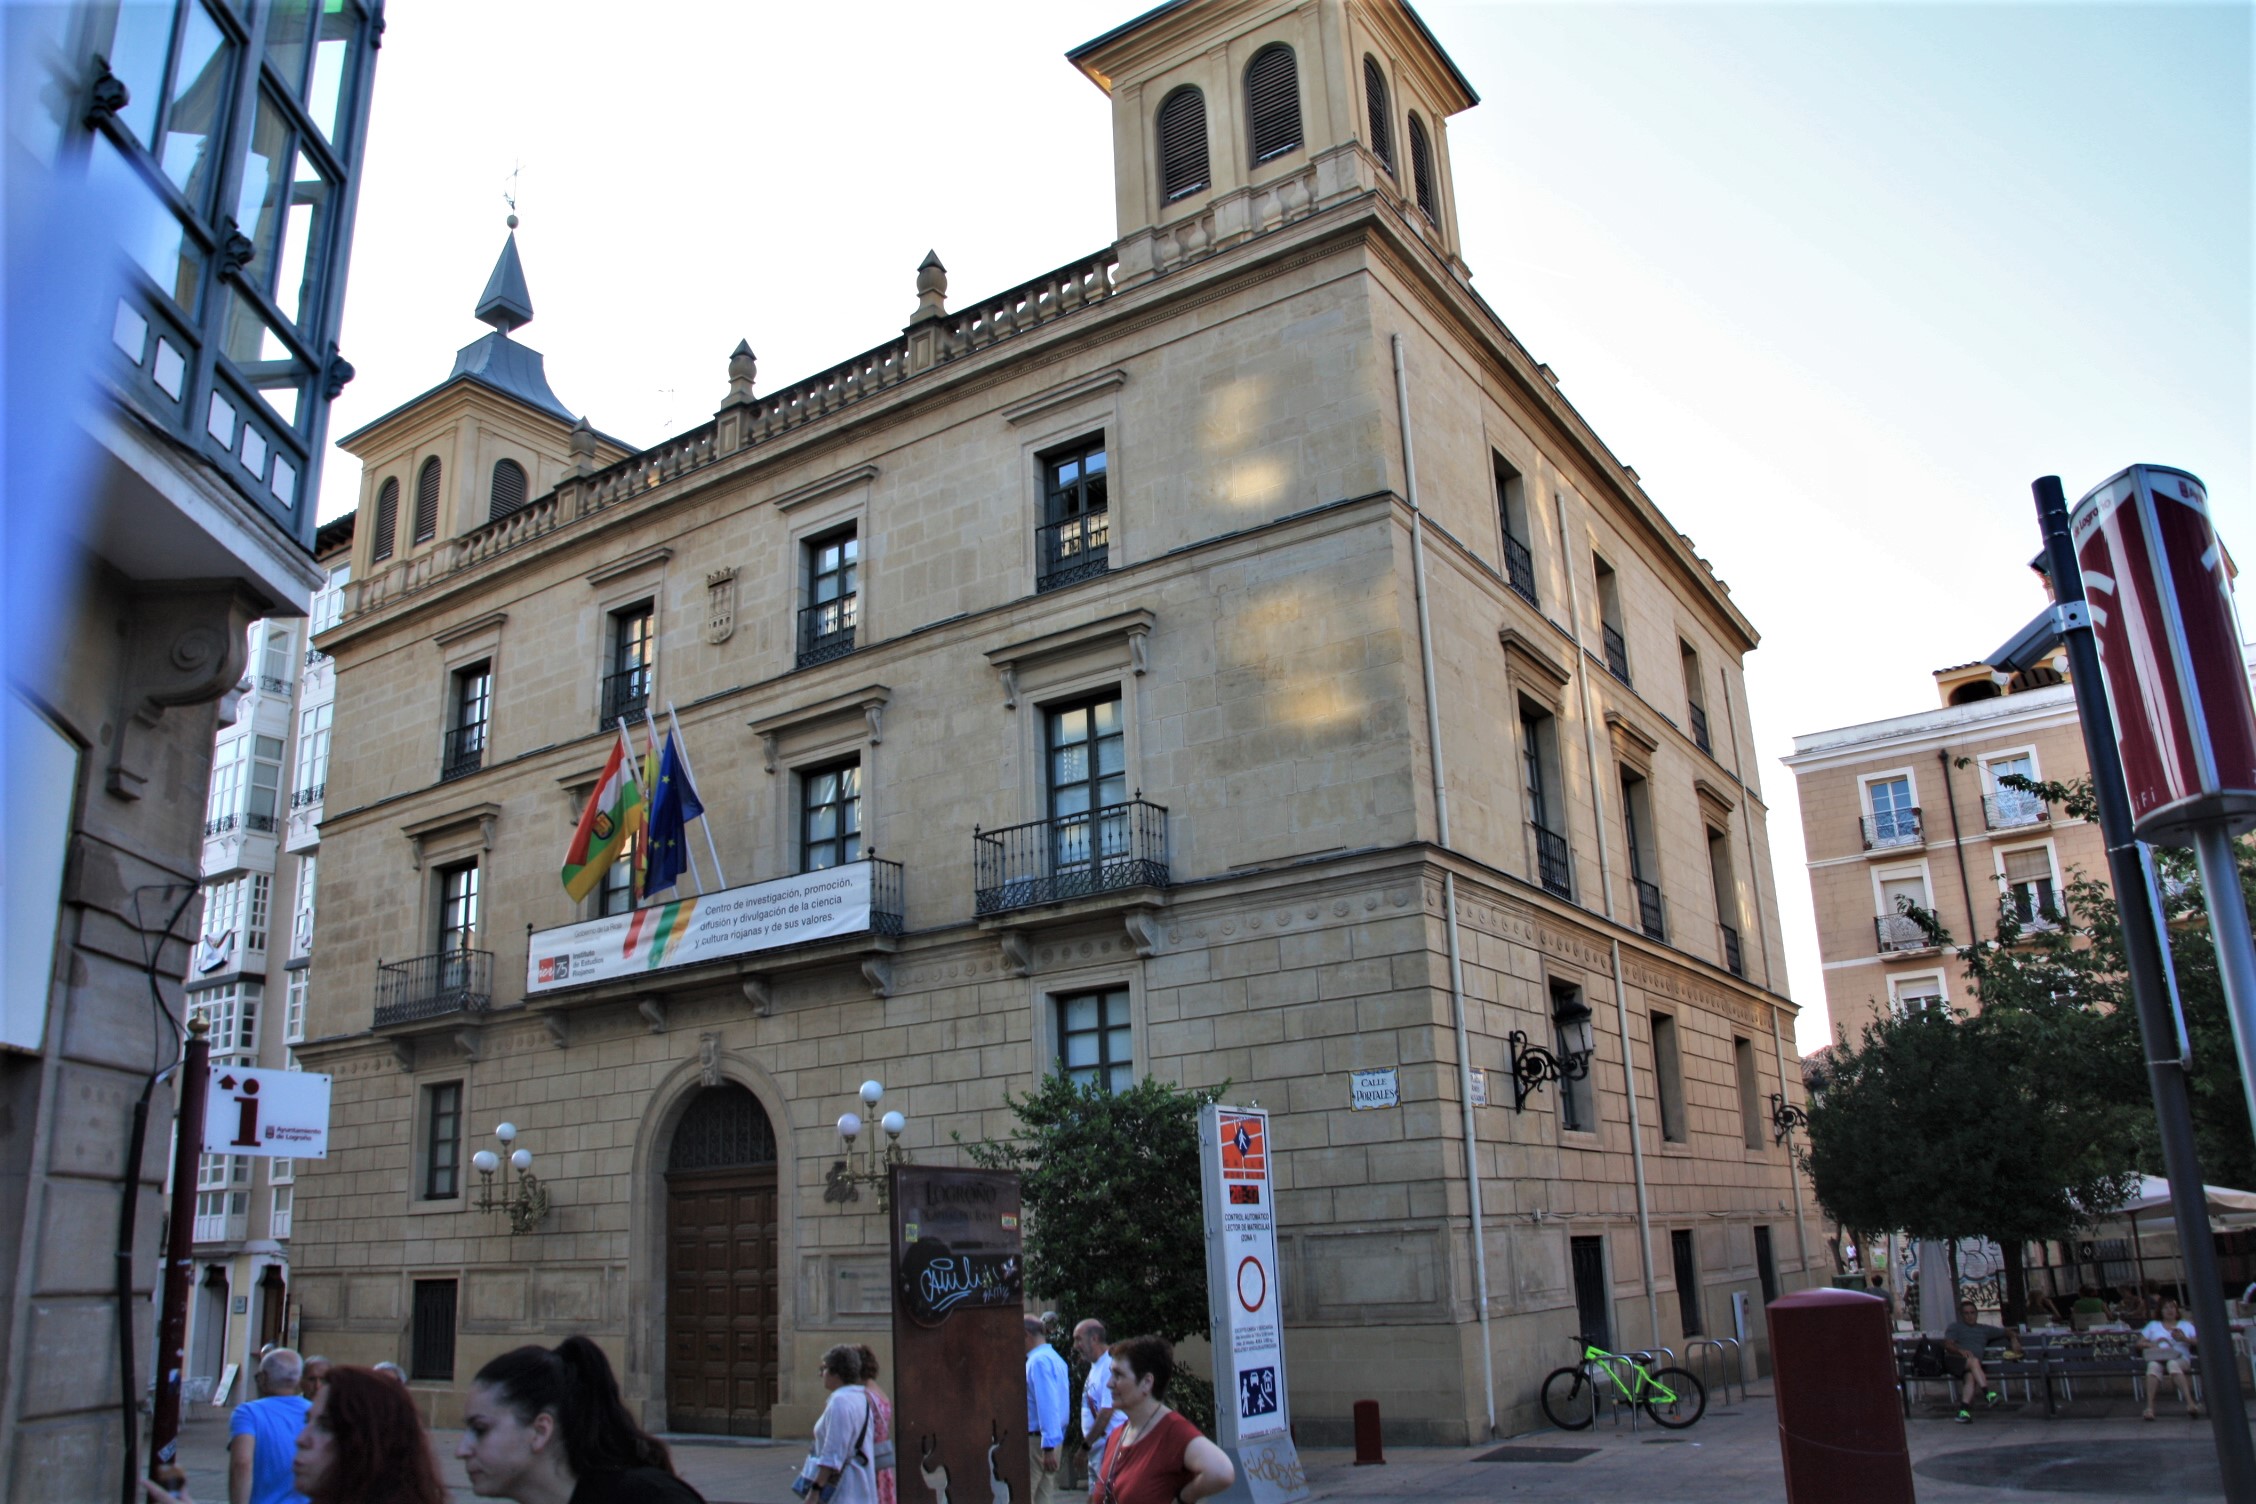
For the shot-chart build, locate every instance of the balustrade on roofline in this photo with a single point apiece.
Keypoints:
(750, 422)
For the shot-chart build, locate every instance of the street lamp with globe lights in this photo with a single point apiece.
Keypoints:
(871, 1165)
(525, 1204)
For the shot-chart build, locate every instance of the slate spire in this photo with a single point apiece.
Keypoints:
(506, 303)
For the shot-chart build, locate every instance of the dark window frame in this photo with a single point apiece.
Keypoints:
(1096, 837)
(469, 720)
(385, 533)
(1422, 172)
(508, 489)
(430, 482)
(1379, 112)
(1684, 1255)
(432, 1331)
(1668, 1077)
(1074, 541)
(1578, 1095)
(459, 888)
(1185, 157)
(844, 845)
(1512, 523)
(1273, 119)
(1106, 1071)
(630, 662)
(442, 1141)
(830, 620)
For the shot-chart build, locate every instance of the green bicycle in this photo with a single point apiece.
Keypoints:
(1673, 1397)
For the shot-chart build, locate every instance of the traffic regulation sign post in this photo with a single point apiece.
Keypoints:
(1253, 1422)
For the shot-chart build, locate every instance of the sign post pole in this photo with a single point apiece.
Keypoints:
(1252, 1420)
(180, 1263)
(2142, 951)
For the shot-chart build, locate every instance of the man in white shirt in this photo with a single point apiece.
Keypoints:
(1098, 1417)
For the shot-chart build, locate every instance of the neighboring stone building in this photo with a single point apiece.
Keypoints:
(165, 421)
(1081, 629)
(1910, 811)
(247, 976)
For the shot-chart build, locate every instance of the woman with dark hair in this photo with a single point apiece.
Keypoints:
(362, 1444)
(841, 1469)
(1157, 1456)
(547, 1426)
(881, 1428)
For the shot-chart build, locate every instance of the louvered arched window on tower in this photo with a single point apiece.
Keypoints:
(1421, 169)
(387, 520)
(1273, 101)
(1382, 119)
(427, 501)
(508, 489)
(1182, 144)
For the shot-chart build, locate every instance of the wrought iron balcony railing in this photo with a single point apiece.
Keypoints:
(626, 695)
(1700, 736)
(886, 909)
(241, 820)
(464, 752)
(1519, 568)
(1652, 909)
(1900, 932)
(826, 629)
(454, 981)
(309, 795)
(1894, 828)
(1734, 959)
(1552, 868)
(1617, 652)
(1070, 856)
(1068, 552)
(2010, 809)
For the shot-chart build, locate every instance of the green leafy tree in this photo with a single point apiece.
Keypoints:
(1114, 1227)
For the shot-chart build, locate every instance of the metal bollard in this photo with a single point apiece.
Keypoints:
(1368, 1451)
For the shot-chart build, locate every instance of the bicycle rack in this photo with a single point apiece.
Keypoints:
(1700, 1350)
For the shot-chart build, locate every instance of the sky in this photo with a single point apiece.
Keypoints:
(1839, 281)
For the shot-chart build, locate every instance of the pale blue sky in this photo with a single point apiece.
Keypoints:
(1838, 280)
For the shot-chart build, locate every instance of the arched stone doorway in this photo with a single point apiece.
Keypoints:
(722, 1348)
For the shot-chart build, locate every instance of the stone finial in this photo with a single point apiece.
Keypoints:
(583, 448)
(742, 368)
(932, 287)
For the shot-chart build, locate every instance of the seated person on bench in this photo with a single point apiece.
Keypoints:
(1964, 1341)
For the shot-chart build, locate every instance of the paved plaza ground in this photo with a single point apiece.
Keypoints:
(2097, 1450)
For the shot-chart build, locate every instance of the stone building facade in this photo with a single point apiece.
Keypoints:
(1910, 810)
(1104, 626)
(181, 183)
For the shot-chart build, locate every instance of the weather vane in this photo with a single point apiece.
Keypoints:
(509, 194)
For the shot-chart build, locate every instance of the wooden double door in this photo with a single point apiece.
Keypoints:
(721, 1300)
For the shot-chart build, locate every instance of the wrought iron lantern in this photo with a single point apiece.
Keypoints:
(1533, 1065)
(525, 1202)
(869, 1165)
(1785, 1117)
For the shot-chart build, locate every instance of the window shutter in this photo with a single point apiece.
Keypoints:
(508, 489)
(1382, 129)
(2028, 867)
(1273, 102)
(427, 501)
(387, 519)
(1182, 144)
(1421, 169)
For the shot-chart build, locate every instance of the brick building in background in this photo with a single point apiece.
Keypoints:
(1096, 630)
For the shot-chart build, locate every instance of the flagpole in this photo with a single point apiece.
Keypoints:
(682, 742)
(634, 882)
(657, 763)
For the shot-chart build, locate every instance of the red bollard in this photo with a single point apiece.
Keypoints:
(1840, 1419)
(1367, 1450)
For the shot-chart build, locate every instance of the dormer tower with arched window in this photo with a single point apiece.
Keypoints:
(1229, 120)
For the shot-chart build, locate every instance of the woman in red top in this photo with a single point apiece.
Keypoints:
(1158, 1456)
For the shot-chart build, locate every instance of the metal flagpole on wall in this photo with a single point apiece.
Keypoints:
(682, 741)
(657, 775)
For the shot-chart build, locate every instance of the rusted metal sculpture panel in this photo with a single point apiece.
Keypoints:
(959, 1344)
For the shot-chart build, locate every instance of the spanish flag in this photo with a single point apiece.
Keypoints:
(614, 813)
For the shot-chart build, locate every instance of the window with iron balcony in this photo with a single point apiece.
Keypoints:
(1074, 543)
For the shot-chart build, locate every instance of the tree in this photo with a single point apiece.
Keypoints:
(1114, 1227)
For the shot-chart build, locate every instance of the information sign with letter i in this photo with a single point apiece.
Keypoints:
(1244, 1302)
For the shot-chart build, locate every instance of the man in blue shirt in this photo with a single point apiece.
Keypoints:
(262, 1435)
(1049, 1399)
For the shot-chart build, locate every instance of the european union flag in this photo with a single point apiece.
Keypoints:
(671, 809)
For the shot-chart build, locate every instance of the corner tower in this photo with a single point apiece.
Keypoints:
(478, 446)
(1230, 116)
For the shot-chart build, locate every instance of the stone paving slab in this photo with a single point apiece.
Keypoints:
(2099, 1452)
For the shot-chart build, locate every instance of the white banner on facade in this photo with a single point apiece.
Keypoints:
(276, 1114)
(1244, 1303)
(706, 927)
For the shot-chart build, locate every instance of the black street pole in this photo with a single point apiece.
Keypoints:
(2142, 951)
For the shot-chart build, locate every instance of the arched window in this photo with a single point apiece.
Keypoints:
(508, 489)
(1382, 119)
(1421, 169)
(387, 520)
(1182, 144)
(1273, 101)
(427, 501)
(724, 1128)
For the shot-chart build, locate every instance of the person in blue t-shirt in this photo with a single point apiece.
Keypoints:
(262, 1435)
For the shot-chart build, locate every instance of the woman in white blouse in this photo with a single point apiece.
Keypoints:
(2168, 1342)
(844, 1454)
